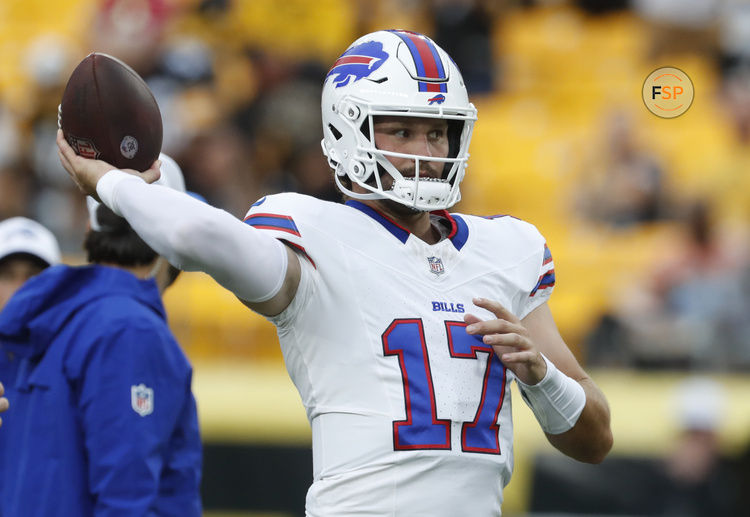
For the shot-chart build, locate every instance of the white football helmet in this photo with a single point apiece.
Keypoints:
(396, 73)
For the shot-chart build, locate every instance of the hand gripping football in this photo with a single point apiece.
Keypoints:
(109, 113)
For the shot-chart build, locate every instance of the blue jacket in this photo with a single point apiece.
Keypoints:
(102, 418)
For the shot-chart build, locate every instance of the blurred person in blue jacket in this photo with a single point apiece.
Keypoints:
(103, 419)
(26, 249)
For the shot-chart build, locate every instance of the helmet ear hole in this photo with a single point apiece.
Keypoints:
(364, 128)
(335, 132)
(455, 128)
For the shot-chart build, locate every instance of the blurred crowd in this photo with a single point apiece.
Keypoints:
(239, 81)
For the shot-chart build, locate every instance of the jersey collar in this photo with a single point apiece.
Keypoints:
(458, 235)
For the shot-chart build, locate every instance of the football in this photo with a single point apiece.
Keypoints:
(109, 113)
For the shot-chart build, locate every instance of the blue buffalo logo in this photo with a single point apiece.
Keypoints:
(357, 63)
(439, 99)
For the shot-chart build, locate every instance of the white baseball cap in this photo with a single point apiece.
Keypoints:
(171, 176)
(699, 404)
(22, 235)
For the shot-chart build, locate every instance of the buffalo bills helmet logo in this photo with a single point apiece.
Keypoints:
(439, 99)
(357, 63)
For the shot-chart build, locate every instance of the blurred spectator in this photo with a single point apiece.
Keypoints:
(217, 164)
(735, 98)
(681, 26)
(692, 477)
(734, 35)
(15, 191)
(312, 174)
(26, 249)
(131, 30)
(181, 78)
(43, 191)
(10, 138)
(696, 482)
(464, 29)
(622, 183)
(691, 311)
(728, 181)
(282, 126)
(393, 14)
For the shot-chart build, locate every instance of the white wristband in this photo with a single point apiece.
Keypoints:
(557, 400)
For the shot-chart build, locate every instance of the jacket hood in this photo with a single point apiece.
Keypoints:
(37, 311)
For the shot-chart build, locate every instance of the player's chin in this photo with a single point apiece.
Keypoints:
(400, 208)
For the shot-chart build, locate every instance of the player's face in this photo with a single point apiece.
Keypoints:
(13, 273)
(411, 135)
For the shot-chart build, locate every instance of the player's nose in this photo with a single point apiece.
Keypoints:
(422, 145)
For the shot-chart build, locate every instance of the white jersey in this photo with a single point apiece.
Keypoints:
(410, 415)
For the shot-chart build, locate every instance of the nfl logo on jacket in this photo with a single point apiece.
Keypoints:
(142, 399)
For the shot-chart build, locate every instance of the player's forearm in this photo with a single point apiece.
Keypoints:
(590, 440)
(197, 237)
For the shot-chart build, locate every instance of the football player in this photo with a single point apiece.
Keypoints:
(402, 325)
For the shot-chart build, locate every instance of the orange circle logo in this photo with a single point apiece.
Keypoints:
(668, 92)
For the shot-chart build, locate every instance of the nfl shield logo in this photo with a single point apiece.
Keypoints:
(142, 399)
(84, 147)
(436, 265)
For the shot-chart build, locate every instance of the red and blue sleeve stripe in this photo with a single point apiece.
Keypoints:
(278, 222)
(546, 281)
(547, 255)
(282, 223)
(427, 61)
